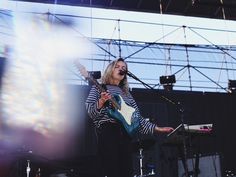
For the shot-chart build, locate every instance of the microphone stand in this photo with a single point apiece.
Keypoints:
(28, 168)
(148, 86)
(180, 109)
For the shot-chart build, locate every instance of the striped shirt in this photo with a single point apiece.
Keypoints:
(101, 116)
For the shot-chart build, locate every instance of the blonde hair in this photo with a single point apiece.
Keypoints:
(107, 76)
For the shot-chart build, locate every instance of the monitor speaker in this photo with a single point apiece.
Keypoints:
(209, 166)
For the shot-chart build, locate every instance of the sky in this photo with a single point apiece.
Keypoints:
(136, 28)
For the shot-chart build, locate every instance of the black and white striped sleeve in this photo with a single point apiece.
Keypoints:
(92, 103)
(146, 127)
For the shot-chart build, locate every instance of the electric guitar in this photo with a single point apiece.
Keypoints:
(120, 111)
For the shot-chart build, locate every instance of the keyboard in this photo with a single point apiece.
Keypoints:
(201, 128)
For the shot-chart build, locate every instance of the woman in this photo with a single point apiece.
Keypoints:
(114, 141)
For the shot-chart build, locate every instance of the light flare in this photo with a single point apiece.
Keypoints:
(33, 91)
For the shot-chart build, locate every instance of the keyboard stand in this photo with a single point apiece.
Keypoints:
(179, 137)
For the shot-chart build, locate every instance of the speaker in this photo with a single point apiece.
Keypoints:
(209, 166)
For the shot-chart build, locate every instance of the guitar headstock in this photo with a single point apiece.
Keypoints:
(86, 74)
(81, 69)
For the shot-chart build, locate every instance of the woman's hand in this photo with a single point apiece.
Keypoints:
(102, 100)
(163, 129)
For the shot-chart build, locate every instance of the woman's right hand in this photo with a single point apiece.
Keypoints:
(103, 98)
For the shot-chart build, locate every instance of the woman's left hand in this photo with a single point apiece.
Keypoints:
(163, 129)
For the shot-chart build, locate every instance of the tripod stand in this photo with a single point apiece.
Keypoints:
(139, 146)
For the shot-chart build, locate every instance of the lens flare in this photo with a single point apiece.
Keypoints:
(33, 92)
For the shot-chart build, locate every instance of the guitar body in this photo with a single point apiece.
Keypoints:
(126, 115)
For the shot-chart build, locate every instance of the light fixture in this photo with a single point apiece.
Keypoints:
(232, 86)
(95, 74)
(167, 82)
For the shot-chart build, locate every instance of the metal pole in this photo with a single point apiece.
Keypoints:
(28, 168)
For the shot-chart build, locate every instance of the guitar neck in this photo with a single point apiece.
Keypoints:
(101, 89)
(95, 82)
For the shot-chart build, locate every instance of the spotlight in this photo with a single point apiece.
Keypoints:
(95, 74)
(232, 86)
(167, 79)
(167, 82)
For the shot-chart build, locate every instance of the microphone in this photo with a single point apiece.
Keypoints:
(122, 72)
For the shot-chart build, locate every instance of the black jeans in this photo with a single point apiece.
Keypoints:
(114, 150)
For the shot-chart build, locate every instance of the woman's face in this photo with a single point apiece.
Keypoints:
(116, 76)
